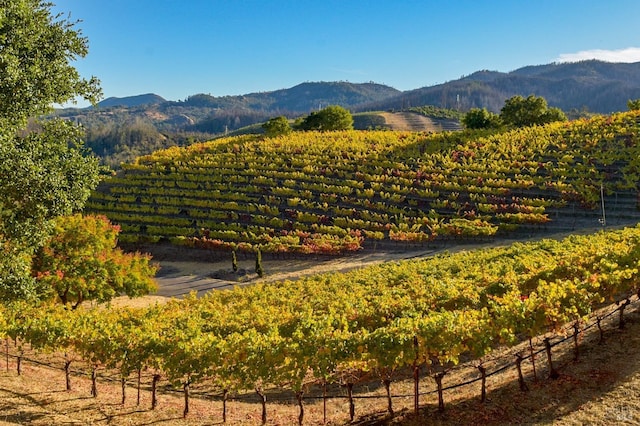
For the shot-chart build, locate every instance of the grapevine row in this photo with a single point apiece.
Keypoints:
(344, 327)
(394, 185)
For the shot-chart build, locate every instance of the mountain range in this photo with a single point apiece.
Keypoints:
(596, 86)
(136, 124)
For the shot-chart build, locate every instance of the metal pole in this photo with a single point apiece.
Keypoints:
(603, 220)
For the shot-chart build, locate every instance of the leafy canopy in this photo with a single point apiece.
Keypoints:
(80, 262)
(633, 105)
(333, 117)
(530, 111)
(44, 172)
(277, 126)
(478, 118)
(35, 61)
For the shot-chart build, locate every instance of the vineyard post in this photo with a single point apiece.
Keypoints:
(123, 384)
(523, 385)
(483, 391)
(6, 351)
(553, 374)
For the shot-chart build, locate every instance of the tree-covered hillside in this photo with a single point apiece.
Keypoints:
(113, 129)
(120, 129)
(594, 86)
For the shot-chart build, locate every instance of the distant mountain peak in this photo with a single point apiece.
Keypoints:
(132, 101)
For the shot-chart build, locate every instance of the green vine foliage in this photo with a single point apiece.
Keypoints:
(338, 327)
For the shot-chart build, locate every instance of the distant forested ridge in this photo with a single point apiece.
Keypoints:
(595, 86)
(119, 129)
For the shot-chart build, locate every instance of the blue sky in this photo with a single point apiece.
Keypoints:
(177, 48)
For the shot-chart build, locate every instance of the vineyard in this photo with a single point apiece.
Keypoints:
(337, 192)
(424, 316)
(476, 335)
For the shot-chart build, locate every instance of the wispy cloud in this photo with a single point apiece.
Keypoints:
(630, 54)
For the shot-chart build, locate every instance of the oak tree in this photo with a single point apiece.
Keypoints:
(333, 117)
(44, 170)
(478, 118)
(277, 126)
(530, 111)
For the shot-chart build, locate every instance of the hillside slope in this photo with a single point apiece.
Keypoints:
(334, 192)
(122, 128)
(413, 122)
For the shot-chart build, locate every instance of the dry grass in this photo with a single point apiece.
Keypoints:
(602, 387)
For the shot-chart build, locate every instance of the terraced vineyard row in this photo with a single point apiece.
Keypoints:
(332, 192)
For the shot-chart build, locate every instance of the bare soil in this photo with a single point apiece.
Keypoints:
(414, 122)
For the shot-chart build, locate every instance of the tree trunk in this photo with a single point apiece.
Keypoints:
(186, 399)
(599, 322)
(483, 390)
(533, 360)
(438, 377)
(263, 401)
(154, 393)
(94, 378)
(387, 387)
(301, 405)
(576, 347)
(225, 395)
(523, 385)
(352, 406)
(416, 378)
(553, 374)
(622, 307)
(324, 402)
(19, 364)
(138, 385)
(6, 352)
(416, 390)
(123, 385)
(67, 372)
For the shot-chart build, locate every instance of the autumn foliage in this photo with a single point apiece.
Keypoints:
(80, 262)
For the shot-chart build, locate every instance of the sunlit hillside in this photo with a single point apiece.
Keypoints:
(342, 191)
